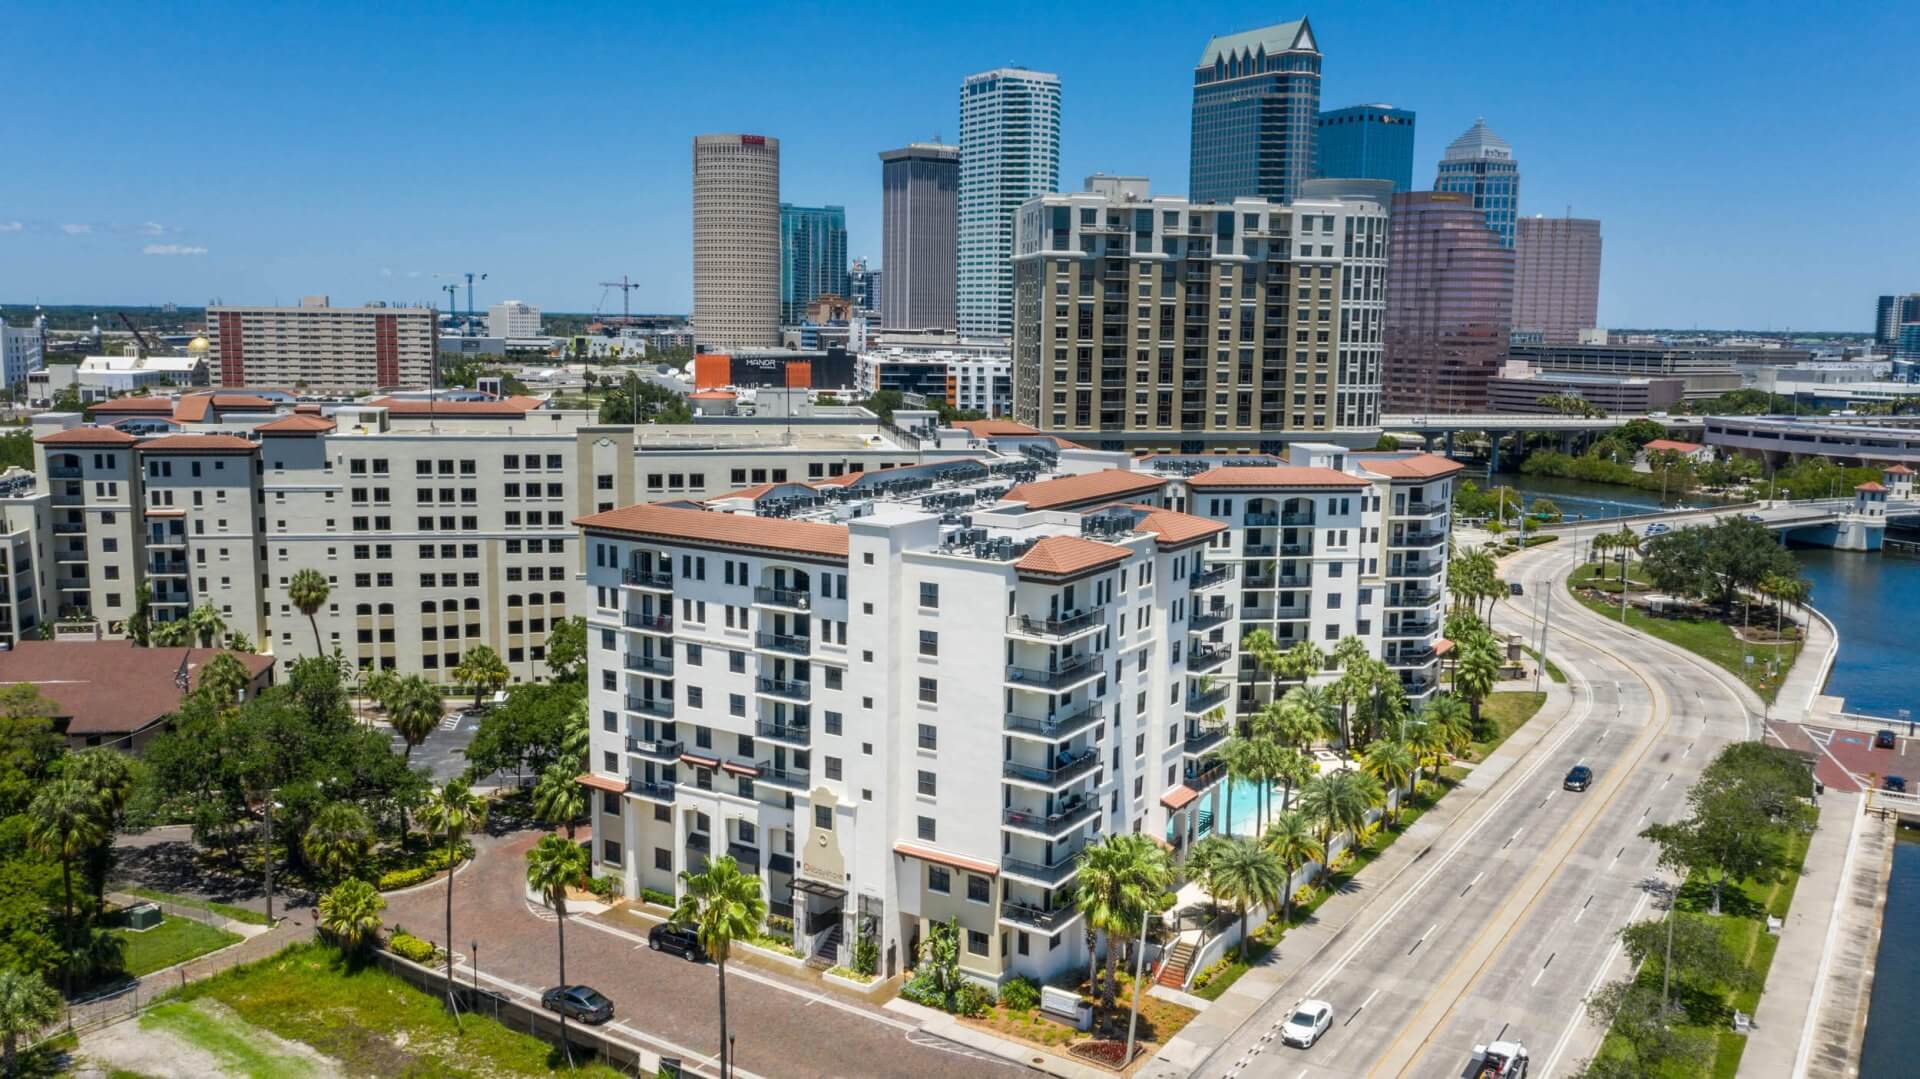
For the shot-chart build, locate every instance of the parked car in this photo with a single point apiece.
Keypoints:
(1310, 1019)
(582, 1002)
(1515, 588)
(1657, 529)
(1883, 740)
(1579, 779)
(679, 940)
(1896, 784)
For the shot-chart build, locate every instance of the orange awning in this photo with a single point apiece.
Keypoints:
(940, 857)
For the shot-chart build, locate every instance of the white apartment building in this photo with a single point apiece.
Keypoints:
(825, 680)
(513, 319)
(319, 346)
(22, 351)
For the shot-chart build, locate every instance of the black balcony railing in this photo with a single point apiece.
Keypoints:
(1028, 626)
(1413, 597)
(1062, 820)
(783, 597)
(784, 777)
(1418, 539)
(1057, 776)
(1260, 550)
(1043, 918)
(800, 733)
(1049, 873)
(650, 664)
(1212, 573)
(1202, 738)
(1260, 520)
(1075, 669)
(1295, 550)
(647, 578)
(656, 747)
(1199, 779)
(1208, 659)
(1296, 519)
(1058, 726)
(650, 706)
(1412, 629)
(1209, 617)
(651, 788)
(784, 642)
(1200, 700)
(658, 623)
(782, 687)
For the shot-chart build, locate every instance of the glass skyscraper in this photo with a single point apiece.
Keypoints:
(1481, 164)
(1256, 96)
(1366, 142)
(813, 258)
(1009, 153)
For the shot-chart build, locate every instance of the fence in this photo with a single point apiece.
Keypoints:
(128, 999)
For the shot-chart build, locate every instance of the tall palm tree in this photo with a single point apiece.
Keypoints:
(1200, 862)
(1478, 670)
(1290, 838)
(720, 903)
(350, 914)
(558, 798)
(553, 866)
(1240, 755)
(380, 687)
(171, 634)
(414, 711)
(1247, 875)
(1449, 715)
(1428, 741)
(205, 623)
(1266, 653)
(63, 821)
(452, 812)
(1337, 802)
(337, 840)
(1317, 702)
(109, 775)
(27, 1006)
(1146, 874)
(308, 590)
(1292, 768)
(481, 669)
(1303, 661)
(1391, 763)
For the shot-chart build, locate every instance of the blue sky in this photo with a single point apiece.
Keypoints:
(1754, 165)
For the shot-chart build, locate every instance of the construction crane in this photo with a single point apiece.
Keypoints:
(626, 288)
(453, 300)
(453, 296)
(138, 337)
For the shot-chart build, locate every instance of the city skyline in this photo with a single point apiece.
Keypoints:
(288, 210)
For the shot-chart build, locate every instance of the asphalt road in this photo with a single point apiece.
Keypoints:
(1511, 920)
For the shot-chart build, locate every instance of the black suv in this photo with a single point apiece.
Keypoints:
(580, 1002)
(1883, 739)
(1579, 779)
(684, 943)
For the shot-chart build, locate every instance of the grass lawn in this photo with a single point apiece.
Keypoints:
(372, 1022)
(234, 1044)
(1707, 638)
(174, 940)
(1553, 670)
(1507, 711)
(225, 910)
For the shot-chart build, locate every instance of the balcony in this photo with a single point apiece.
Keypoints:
(1202, 701)
(1205, 618)
(1259, 550)
(1045, 919)
(657, 790)
(1417, 538)
(1072, 672)
(650, 706)
(660, 665)
(1413, 597)
(1260, 520)
(1296, 550)
(1056, 777)
(1412, 628)
(784, 689)
(1293, 580)
(172, 539)
(1413, 568)
(167, 567)
(782, 777)
(1201, 738)
(1304, 520)
(69, 528)
(1199, 779)
(642, 578)
(1054, 728)
(799, 734)
(783, 642)
(1202, 660)
(1411, 657)
(64, 472)
(651, 623)
(1050, 875)
(791, 598)
(1052, 825)
(1057, 628)
(1422, 509)
(655, 747)
(1212, 573)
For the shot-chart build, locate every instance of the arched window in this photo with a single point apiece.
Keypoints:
(363, 609)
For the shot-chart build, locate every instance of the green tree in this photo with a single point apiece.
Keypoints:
(1121, 878)
(1715, 563)
(530, 729)
(1290, 838)
(1701, 957)
(1247, 875)
(170, 634)
(64, 823)
(205, 623)
(1336, 802)
(414, 711)
(308, 590)
(482, 670)
(28, 744)
(1392, 764)
(350, 913)
(1450, 715)
(1726, 838)
(140, 622)
(452, 812)
(553, 866)
(27, 1006)
(567, 649)
(222, 681)
(558, 798)
(883, 402)
(721, 904)
(1475, 673)
(1654, 1044)
(109, 775)
(337, 840)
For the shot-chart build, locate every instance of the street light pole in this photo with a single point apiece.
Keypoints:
(267, 856)
(1139, 971)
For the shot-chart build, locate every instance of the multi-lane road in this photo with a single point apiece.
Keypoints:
(1510, 919)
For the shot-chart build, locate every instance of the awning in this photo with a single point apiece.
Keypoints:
(704, 762)
(605, 783)
(940, 857)
(739, 769)
(1442, 646)
(1179, 797)
(814, 887)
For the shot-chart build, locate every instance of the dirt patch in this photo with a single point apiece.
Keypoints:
(204, 1038)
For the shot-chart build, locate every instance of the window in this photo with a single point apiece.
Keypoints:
(834, 676)
(823, 817)
(663, 859)
(978, 889)
(833, 768)
(929, 595)
(929, 643)
(939, 880)
(929, 691)
(693, 655)
(609, 851)
(833, 723)
(976, 942)
(696, 697)
(736, 705)
(929, 738)
(929, 784)
(926, 829)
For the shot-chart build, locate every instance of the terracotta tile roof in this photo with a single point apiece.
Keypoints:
(1898, 470)
(192, 407)
(1275, 476)
(1179, 797)
(605, 783)
(110, 687)
(1869, 486)
(712, 395)
(88, 436)
(946, 858)
(1057, 556)
(1173, 528)
(1418, 466)
(1069, 491)
(240, 400)
(295, 424)
(723, 529)
(1675, 445)
(504, 408)
(199, 444)
(990, 428)
(841, 480)
(133, 406)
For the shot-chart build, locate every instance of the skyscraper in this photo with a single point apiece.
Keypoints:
(1481, 164)
(864, 284)
(1556, 281)
(1366, 142)
(919, 223)
(1449, 305)
(813, 258)
(1891, 313)
(736, 241)
(1256, 96)
(1009, 153)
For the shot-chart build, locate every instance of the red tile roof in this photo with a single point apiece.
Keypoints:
(1869, 486)
(1418, 466)
(1898, 470)
(941, 857)
(1675, 445)
(723, 529)
(1058, 556)
(199, 444)
(296, 424)
(192, 407)
(1172, 528)
(1069, 491)
(1274, 476)
(133, 406)
(990, 428)
(1179, 797)
(605, 783)
(110, 687)
(712, 395)
(88, 436)
(503, 408)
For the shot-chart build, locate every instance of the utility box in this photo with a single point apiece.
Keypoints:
(143, 916)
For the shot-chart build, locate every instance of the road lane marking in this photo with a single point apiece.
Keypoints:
(1543, 967)
(1599, 975)
(1511, 838)
(1361, 1008)
(1471, 883)
(1422, 940)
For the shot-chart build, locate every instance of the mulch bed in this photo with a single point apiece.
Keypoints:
(1107, 1054)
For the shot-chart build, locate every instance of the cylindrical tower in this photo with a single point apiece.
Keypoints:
(736, 241)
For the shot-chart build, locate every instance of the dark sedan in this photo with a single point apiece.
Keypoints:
(1580, 778)
(580, 1002)
(684, 943)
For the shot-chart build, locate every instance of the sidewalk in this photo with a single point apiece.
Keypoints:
(1808, 678)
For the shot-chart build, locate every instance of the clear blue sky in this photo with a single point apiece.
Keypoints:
(1754, 165)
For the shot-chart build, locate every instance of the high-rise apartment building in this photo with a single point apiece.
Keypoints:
(919, 226)
(1449, 305)
(803, 676)
(1171, 325)
(736, 241)
(513, 319)
(1256, 97)
(865, 284)
(1366, 142)
(1009, 153)
(1480, 163)
(813, 258)
(1890, 314)
(1556, 281)
(321, 347)
(22, 351)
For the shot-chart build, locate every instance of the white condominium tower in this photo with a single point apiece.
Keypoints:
(736, 241)
(1009, 153)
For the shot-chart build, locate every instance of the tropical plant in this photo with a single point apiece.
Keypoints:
(1200, 862)
(1392, 764)
(1121, 879)
(1449, 715)
(720, 904)
(64, 822)
(1247, 875)
(554, 865)
(109, 775)
(481, 669)
(222, 681)
(414, 711)
(1337, 802)
(337, 840)
(1290, 838)
(380, 687)
(308, 591)
(558, 797)
(170, 634)
(1303, 661)
(206, 624)
(1476, 673)
(1266, 653)
(140, 622)
(27, 1005)
(451, 812)
(350, 913)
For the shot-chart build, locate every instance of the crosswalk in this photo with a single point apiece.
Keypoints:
(452, 721)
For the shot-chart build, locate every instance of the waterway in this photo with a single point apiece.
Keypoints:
(1891, 1040)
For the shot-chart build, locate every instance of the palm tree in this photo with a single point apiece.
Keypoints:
(337, 840)
(1478, 670)
(720, 903)
(223, 680)
(27, 1005)
(1239, 755)
(481, 669)
(205, 623)
(1121, 879)
(1290, 838)
(558, 798)
(1200, 862)
(380, 687)
(308, 590)
(414, 711)
(172, 634)
(1266, 654)
(453, 811)
(350, 914)
(553, 866)
(1246, 875)
(109, 775)
(1448, 715)
(1304, 660)
(1391, 763)
(1337, 802)
(1291, 768)
(63, 821)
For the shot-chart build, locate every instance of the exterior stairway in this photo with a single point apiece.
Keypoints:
(828, 953)
(1173, 969)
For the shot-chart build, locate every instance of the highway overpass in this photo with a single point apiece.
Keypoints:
(1848, 440)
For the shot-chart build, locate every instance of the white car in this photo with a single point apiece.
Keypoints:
(1310, 1019)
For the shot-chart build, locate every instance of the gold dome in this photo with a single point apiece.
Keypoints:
(198, 344)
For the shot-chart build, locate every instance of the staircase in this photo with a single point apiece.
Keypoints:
(827, 952)
(1173, 969)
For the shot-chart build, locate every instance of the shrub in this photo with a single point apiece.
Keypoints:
(604, 888)
(921, 990)
(657, 897)
(404, 878)
(866, 956)
(407, 946)
(1020, 994)
(1205, 977)
(772, 944)
(779, 925)
(850, 974)
(972, 1000)
(1304, 895)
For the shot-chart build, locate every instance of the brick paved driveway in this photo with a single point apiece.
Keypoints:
(781, 1028)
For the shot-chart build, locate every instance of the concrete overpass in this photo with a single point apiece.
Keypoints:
(1819, 522)
(1501, 425)
(1850, 440)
